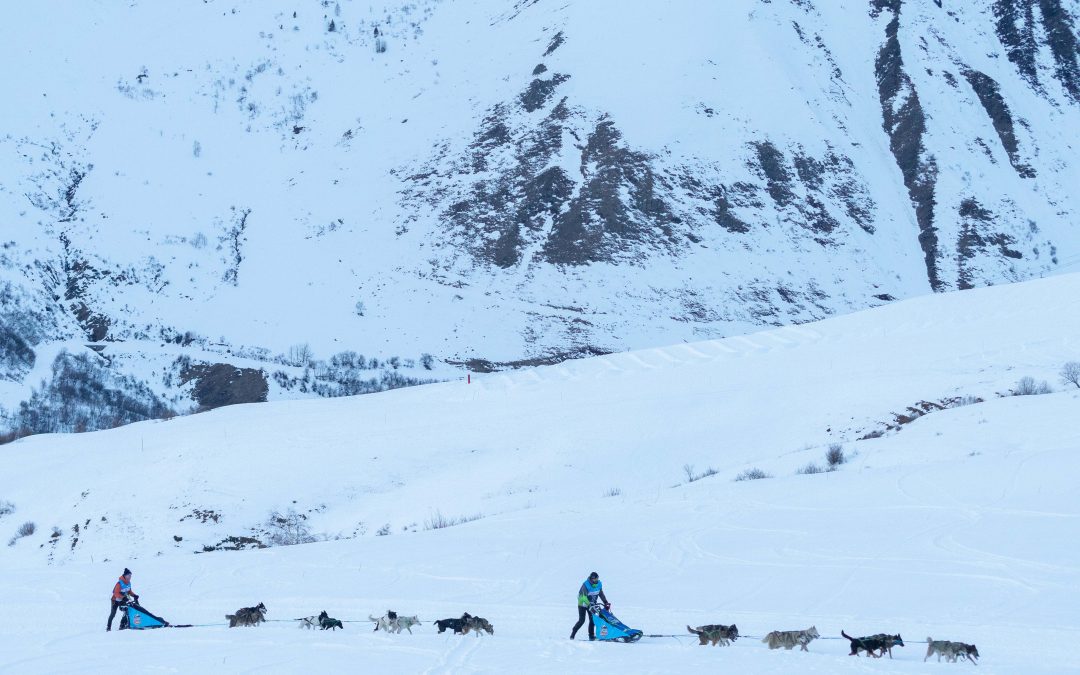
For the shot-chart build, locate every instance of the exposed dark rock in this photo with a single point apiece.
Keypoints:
(989, 94)
(555, 43)
(1063, 45)
(722, 213)
(17, 357)
(476, 365)
(879, 6)
(222, 384)
(233, 543)
(539, 69)
(820, 182)
(977, 233)
(540, 92)
(1016, 28)
(905, 123)
(78, 275)
(773, 165)
(597, 224)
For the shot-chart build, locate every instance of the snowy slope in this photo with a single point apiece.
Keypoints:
(514, 181)
(959, 524)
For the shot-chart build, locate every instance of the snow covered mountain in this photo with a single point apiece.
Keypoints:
(252, 200)
(954, 515)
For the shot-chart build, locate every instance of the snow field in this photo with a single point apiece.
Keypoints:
(961, 525)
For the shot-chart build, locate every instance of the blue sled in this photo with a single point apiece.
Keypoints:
(140, 619)
(610, 629)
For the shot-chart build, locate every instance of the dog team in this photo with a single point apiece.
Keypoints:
(389, 622)
(591, 592)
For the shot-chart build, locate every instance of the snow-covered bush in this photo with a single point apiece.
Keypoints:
(288, 529)
(300, 355)
(752, 474)
(810, 469)
(1027, 386)
(25, 530)
(6, 508)
(835, 456)
(85, 396)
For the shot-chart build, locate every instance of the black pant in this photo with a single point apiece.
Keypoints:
(123, 615)
(583, 612)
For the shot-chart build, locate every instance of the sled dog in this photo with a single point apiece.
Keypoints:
(951, 650)
(386, 621)
(405, 622)
(456, 625)
(326, 622)
(477, 624)
(788, 639)
(247, 616)
(716, 634)
(879, 642)
(308, 621)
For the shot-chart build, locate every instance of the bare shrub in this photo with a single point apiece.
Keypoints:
(692, 476)
(300, 355)
(752, 474)
(835, 456)
(383, 531)
(1070, 373)
(438, 521)
(288, 529)
(25, 530)
(6, 508)
(613, 492)
(1027, 386)
(810, 469)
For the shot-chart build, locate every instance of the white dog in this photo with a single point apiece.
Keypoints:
(392, 623)
(309, 622)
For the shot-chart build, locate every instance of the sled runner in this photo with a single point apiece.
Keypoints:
(609, 628)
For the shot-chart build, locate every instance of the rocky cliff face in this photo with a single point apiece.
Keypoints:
(274, 188)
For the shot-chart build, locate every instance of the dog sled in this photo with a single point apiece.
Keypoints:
(610, 629)
(137, 617)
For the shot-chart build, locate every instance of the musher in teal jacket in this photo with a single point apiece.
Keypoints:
(587, 596)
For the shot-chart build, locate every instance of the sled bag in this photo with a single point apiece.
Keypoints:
(139, 619)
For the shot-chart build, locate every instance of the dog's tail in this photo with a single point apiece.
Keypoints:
(846, 635)
(695, 632)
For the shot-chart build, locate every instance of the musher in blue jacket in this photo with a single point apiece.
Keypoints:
(587, 595)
